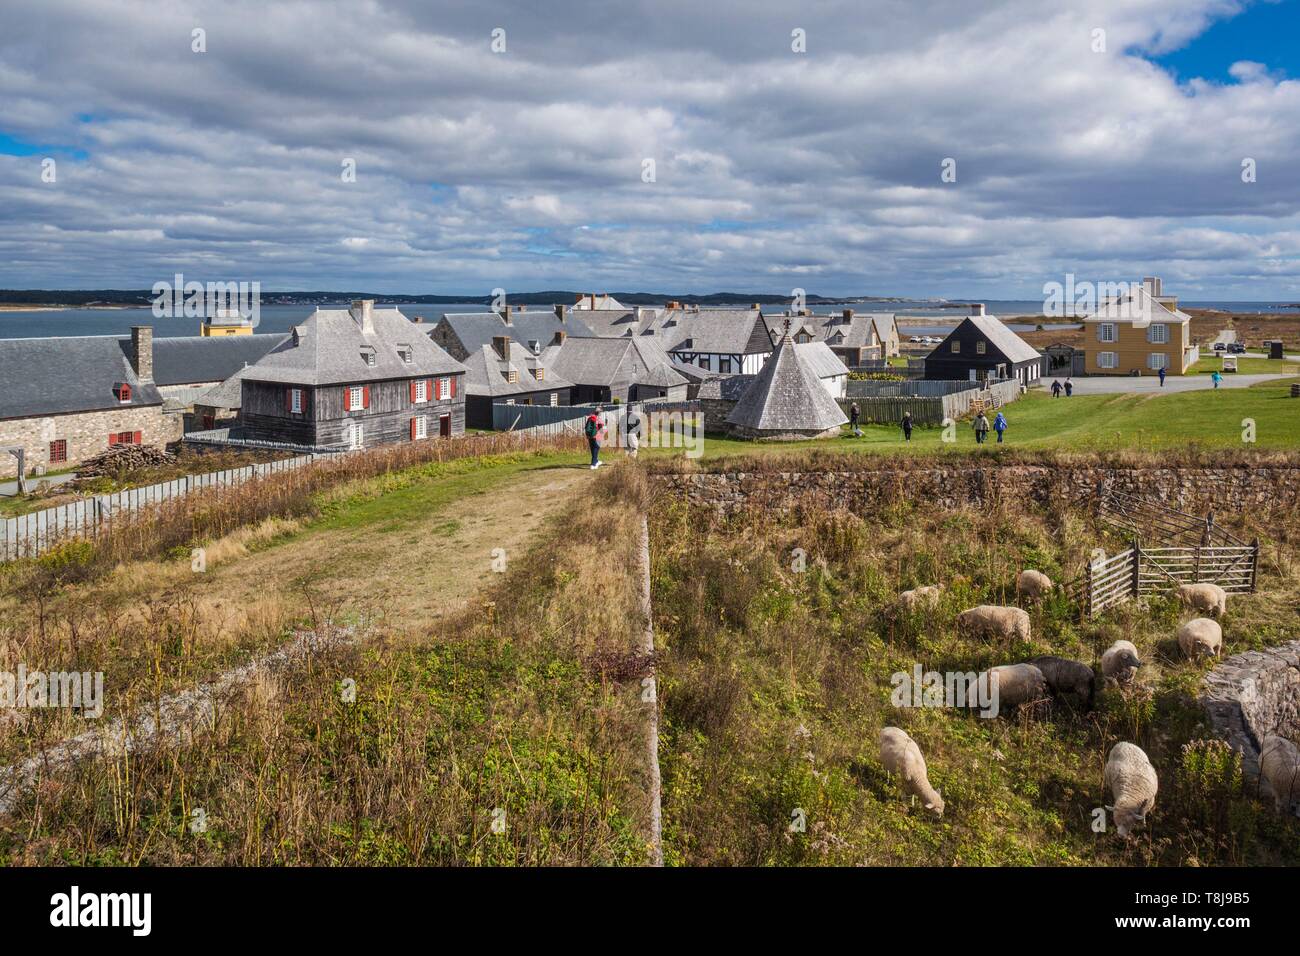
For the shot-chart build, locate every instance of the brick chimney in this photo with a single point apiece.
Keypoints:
(560, 312)
(501, 345)
(142, 353)
(505, 315)
(848, 316)
(363, 312)
(560, 336)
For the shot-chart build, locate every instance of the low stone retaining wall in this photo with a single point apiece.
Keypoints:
(1254, 694)
(1262, 491)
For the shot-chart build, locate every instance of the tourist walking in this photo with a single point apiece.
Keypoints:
(1162, 376)
(1069, 388)
(854, 414)
(1000, 425)
(981, 428)
(632, 432)
(907, 426)
(1056, 388)
(592, 429)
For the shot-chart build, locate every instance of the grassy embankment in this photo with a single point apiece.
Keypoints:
(521, 705)
(775, 684)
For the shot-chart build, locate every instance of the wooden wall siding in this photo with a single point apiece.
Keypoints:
(265, 415)
(478, 408)
(1133, 348)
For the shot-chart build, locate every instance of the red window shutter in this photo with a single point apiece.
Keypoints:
(288, 399)
(135, 439)
(365, 396)
(412, 429)
(112, 440)
(347, 399)
(412, 391)
(429, 393)
(453, 386)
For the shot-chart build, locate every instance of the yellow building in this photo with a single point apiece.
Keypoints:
(225, 322)
(1139, 331)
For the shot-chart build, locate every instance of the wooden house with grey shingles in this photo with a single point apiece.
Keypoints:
(353, 378)
(787, 400)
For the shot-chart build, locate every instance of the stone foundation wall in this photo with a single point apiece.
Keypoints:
(1254, 694)
(1261, 491)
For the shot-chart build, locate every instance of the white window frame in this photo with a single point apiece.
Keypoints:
(981, 348)
(555, 398)
(1107, 332)
(1159, 333)
(956, 347)
(1107, 360)
(295, 401)
(444, 389)
(356, 398)
(421, 427)
(1157, 360)
(421, 391)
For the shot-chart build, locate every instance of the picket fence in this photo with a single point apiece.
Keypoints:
(30, 535)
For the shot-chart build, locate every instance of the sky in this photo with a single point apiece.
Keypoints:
(880, 147)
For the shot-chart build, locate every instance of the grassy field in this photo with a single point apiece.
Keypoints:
(1207, 419)
(776, 681)
(1245, 366)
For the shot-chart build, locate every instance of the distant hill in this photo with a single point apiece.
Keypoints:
(93, 297)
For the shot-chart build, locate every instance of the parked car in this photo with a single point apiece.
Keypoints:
(1236, 348)
(916, 338)
(1220, 347)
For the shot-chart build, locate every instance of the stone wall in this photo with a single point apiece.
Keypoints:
(1262, 491)
(1251, 695)
(86, 434)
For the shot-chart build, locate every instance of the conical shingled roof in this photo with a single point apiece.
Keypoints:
(786, 397)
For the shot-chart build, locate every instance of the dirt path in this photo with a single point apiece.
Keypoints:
(405, 572)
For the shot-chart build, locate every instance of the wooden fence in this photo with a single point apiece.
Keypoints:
(1141, 571)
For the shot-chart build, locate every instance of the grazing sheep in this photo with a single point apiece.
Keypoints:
(1132, 782)
(1201, 636)
(900, 754)
(1209, 598)
(1035, 585)
(1014, 685)
(909, 601)
(1120, 662)
(995, 621)
(1279, 765)
(1065, 676)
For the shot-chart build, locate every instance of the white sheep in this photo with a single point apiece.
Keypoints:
(1132, 782)
(1120, 662)
(927, 595)
(1201, 636)
(1279, 765)
(995, 621)
(900, 754)
(1034, 585)
(1209, 598)
(1012, 685)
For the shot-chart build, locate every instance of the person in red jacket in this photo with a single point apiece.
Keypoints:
(592, 428)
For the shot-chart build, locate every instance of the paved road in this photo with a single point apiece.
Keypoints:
(1114, 384)
(10, 488)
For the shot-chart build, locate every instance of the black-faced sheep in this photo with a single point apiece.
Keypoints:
(1209, 598)
(1132, 782)
(1034, 585)
(1120, 662)
(1201, 637)
(1279, 765)
(1065, 676)
(900, 755)
(994, 621)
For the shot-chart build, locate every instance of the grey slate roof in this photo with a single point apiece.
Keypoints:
(1015, 348)
(329, 346)
(477, 329)
(787, 396)
(191, 359)
(820, 358)
(591, 360)
(488, 373)
(59, 375)
(228, 394)
(725, 331)
(610, 323)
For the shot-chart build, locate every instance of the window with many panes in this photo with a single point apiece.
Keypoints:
(58, 450)
(421, 391)
(1159, 333)
(356, 398)
(444, 386)
(1106, 332)
(1108, 360)
(1157, 360)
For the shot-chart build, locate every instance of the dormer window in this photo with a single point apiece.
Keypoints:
(122, 390)
(405, 354)
(369, 357)
(539, 373)
(512, 375)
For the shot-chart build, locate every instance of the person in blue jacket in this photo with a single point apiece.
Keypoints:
(1000, 425)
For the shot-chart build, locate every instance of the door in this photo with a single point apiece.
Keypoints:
(444, 426)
